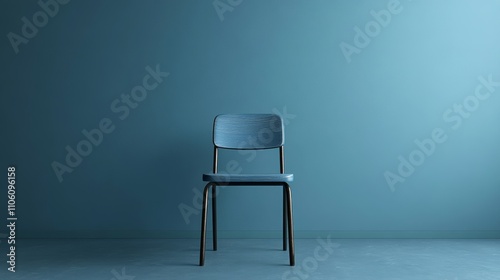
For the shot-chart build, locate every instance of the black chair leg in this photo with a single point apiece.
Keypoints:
(290, 226)
(204, 224)
(214, 217)
(284, 218)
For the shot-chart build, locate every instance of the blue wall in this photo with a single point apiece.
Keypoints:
(356, 101)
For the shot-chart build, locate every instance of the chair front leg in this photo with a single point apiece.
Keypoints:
(204, 224)
(290, 225)
(214, 216)
(284, 217)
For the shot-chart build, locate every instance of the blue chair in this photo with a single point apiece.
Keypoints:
(248, 132)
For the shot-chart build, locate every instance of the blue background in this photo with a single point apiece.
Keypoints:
(348, 122)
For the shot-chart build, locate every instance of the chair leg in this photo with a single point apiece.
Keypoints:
(204, 224)
(214, 217)
(284, 218)
(290, 225)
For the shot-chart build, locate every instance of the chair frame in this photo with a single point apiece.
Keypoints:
(287, 207)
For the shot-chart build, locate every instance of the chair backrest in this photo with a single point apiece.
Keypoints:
(248, 131)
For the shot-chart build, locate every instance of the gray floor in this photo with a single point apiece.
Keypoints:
(240, 259)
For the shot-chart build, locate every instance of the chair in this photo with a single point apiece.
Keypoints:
(248, 132)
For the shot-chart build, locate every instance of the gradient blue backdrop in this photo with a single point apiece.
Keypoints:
(350, 121)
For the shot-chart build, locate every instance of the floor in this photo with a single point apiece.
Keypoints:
(240, 259)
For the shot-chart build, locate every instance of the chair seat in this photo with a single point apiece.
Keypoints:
(238, 178)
